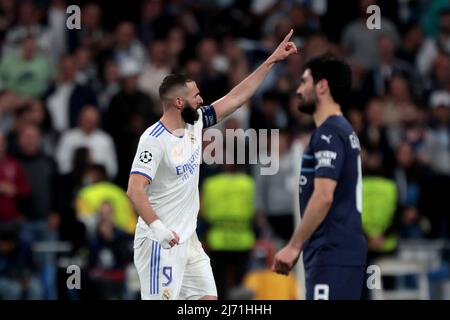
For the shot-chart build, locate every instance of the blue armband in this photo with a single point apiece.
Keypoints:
(208, 116)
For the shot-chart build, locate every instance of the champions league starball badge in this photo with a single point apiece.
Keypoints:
(145, 156)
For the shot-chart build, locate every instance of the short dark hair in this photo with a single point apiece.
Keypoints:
(172, 81)
(21, 110)
(336, 72)
(100, 169)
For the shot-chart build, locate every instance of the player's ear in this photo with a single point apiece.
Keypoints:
(322, 86)
(178, 103)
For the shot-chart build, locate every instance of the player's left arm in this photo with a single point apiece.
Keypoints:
(316, 211)
(329, 155)
(245, 89)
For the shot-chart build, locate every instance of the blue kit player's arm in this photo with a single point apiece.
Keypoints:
(329, 155)
(244, 90)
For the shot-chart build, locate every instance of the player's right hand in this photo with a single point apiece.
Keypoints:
(175, 240)
(285, 260)
(166, 238)
(284, 49)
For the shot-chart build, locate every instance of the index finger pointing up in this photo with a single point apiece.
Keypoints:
(288, 36)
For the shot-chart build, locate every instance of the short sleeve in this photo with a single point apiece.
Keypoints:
(329, 154)
(208, 115)
(148, 157)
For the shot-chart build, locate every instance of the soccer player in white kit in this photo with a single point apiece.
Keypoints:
(163, 185)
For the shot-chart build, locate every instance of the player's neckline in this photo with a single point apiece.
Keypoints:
(180, 137)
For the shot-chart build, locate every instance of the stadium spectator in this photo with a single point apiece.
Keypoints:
(270, 114)
(381, 222)
(86, 68)
(275, 193)
(56, 19)
(127, 46)
(212, 82)
(440, 77)
(88, 134)
(8, 9)
(374, 136)
(41, 221)
(316, 45)
(98, 190)
(27, 25)
(92, 35)
(27, 73)
(294, 65)
(14, 185)
(109, 254)
(433, 46)
(228, 207)
(41, 172)
(436, 147)
(379, 218)
(69, 185)
(155, 70)
(18, 276)
(356, 118)
(32, 114)
(66, 97)
(411, 44)
(398, 98)
(435, 152)
(131, 111)
(154, 22)
(109, 86)
(411, 178)
(177, 50)
(360, 42)
(387, 66)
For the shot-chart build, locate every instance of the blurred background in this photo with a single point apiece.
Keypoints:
(73, 104)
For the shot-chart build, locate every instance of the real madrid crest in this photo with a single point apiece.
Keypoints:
(176, 152)
(192, 137)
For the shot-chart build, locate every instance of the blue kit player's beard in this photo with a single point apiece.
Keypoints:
(189, 114)
(308, 107)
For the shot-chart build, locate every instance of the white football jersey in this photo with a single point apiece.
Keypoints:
(172, 163)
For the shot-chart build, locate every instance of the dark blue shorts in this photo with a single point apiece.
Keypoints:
(334, 282)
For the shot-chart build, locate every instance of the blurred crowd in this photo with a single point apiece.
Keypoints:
(73, 104)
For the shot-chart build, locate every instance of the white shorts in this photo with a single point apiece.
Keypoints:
(180, 273)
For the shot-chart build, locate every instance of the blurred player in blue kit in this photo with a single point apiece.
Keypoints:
(330, 232)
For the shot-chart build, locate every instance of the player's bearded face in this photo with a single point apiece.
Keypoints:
(308, 101)
(306, 94)
(189, 113)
